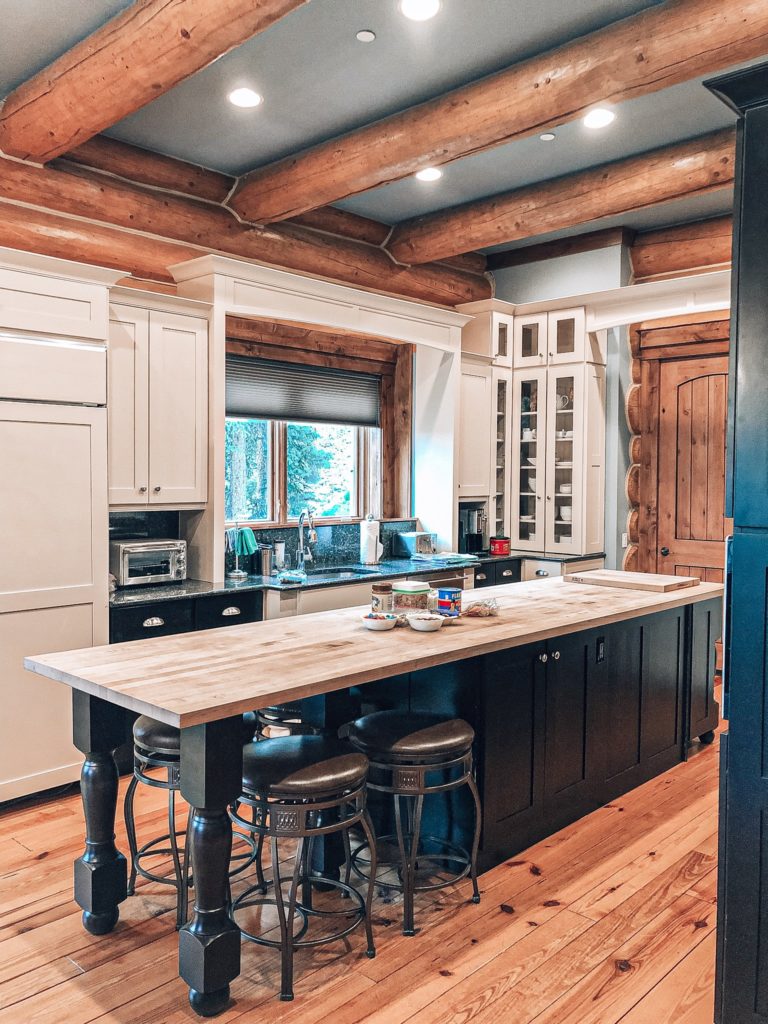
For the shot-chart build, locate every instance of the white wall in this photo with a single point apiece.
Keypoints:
(435, 415)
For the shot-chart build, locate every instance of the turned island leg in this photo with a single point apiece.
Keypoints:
(101, 873)
(209, 944)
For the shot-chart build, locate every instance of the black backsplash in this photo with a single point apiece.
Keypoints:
(336, 545)
(144, 525)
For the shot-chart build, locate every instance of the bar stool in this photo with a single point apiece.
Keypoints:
(301, 788)
(157, 745)
(413, 755)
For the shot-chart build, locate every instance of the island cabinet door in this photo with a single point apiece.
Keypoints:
(511, 740)
(571, 762)
(639, 731)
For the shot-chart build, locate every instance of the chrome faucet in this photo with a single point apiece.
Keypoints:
(304, 552)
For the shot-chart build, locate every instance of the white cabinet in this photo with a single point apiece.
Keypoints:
(53, 579)
(476, 430)
(281, 604)
(558, 446)
(554, 338)
(489, 334)
(530, 346)
(158, 407)
(499, 506)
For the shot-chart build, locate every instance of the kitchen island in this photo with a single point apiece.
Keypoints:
(577, 694)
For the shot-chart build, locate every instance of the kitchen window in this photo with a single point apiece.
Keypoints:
(315, 419)
(275, 469)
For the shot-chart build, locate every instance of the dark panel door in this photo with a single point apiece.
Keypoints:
(706, 627)
(570, 726)
(661, 737)
(691, 465)
(621, 704)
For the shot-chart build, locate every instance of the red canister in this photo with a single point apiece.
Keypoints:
(499, 545)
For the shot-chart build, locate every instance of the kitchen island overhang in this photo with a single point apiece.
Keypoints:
(577, 693)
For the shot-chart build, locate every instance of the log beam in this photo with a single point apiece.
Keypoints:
(586, 242)
(695, 167)
(671, 43)
(137, 56)
(682, 249)
(169, 218)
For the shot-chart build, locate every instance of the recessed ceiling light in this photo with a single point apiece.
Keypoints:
(600, 117)
(429, 174)
(547, 136)
(244, 98)
(419, 10)
(365, 36)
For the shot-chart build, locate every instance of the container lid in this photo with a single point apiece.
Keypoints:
(378, 587)
(411, 587)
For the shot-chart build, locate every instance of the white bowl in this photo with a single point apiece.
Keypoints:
(426, 623)
(380, 622)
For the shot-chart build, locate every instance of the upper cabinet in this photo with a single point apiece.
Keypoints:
(476, 429)
(489, 334)
(556, 338)
(157, 407)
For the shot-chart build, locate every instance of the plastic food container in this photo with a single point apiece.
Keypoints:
(381, 597)
(410, 596)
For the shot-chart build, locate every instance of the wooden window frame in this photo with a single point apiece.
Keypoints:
(387, 493)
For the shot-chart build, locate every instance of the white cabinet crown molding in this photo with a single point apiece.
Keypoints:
(148, 299)
(51, 266)
(264, 291)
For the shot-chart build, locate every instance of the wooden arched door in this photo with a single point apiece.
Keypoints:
(691, 500)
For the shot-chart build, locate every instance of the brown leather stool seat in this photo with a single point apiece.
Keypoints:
(406, 736)
(302, 788)
(149, 734)
(302, 766)
(413, 755)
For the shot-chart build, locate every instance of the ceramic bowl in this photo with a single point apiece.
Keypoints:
(379, 622)
(426, 623)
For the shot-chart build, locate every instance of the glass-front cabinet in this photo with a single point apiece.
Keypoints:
(558, 439)
(499, 513)
(550, 338)
(529, 445)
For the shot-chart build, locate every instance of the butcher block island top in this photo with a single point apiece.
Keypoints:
(191, 678)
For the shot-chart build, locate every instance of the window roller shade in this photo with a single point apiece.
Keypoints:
(262, 389)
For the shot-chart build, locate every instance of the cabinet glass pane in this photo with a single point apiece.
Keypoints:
(530, 528)
(566, 336)
(564, 418)
(501, 347)
(530, 341)
(501, 458)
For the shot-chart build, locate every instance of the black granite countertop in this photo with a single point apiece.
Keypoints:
(390, 569)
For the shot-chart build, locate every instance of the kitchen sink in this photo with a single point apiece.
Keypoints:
(341, 573)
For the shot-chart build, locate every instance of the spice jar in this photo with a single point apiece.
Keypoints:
(381, 598)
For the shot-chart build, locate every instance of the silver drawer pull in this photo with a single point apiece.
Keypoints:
(232, 610)
(542, 572)
(543, 659)
(556, 655)
(152, 621)
(507, 572)
(481, 576)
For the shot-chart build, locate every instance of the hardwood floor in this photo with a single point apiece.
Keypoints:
(609, 920)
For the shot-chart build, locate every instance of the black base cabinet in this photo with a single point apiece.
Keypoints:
(567, 725)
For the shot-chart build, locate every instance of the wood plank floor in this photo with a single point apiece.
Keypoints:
(609, 920)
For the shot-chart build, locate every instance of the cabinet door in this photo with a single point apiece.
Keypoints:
(706, 628)
(512, 747)
(324, 599)
(485, 576)
(530, 340)
(529, 417)
(570, 744)
(565, 336)
(475, 433)
(564, 447)
(502, 327)
(178, 408)
(128, 405)
(498, 513)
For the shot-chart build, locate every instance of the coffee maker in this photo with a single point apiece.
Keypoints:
(472, 520)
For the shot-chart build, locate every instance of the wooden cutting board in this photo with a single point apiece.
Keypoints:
(655, 582)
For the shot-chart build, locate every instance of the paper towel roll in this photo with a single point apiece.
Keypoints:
(371, 547)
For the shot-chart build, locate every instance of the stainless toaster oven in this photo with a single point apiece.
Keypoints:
(140, 562)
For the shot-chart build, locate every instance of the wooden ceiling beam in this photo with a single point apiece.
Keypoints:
(683, 248)
(667, 44)
(166, 217)
(135, 57)
(695, 167)
(586, 242)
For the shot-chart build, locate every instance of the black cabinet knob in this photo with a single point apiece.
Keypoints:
(665, 552)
